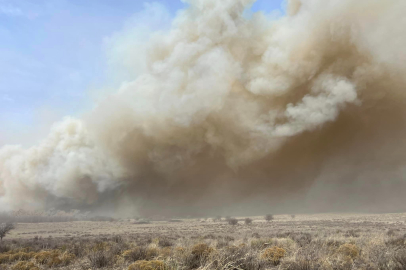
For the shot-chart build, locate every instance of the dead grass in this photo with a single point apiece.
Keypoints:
(25, 266)
(349, 250)
(273, 255)
(305, 243)
(148, 265)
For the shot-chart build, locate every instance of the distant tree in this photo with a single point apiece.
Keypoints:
(248, 221)
(5, 229)
(268, 217)
(232, 221)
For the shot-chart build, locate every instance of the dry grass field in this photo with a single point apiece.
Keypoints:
(348, 241)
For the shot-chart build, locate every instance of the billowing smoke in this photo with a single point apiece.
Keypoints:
(237, 113)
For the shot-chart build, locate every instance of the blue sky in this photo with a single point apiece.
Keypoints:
(52, 53)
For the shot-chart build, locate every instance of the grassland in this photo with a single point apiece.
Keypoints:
(303, 242)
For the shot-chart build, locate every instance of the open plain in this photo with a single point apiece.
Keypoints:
(323, 241)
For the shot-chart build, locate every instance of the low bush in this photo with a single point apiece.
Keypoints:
(273, 255)
(99, 259)
(248, 221)
(135, 254)
(349, 250)
(232, 221)
(269, 217)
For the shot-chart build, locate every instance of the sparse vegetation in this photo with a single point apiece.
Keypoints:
(232, 221)
(310, 244)
(248, 221)
(5, 228)
(269, 217)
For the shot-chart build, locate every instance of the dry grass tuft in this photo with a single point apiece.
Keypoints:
(166, 252)
(201, 250)
(4, 258)
(349, 250)
(135, 254)
(54, 258)
(148, 265)
(151, 253)
(25, 266)
(13, 256)
(273, 255)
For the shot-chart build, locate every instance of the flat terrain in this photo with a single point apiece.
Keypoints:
(319, 224)
(303, 242)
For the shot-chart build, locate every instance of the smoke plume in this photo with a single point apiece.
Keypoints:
(237, 113)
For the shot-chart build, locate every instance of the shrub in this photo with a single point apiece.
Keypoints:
(302, 239)
(99, 259)
(148, 265)
(349, 250)
(166, 252)
(165, 242)
(77, 250)
(232, 221)
(151, 253)
(269, 217)
(201, 250)
(198, 255)
(248, 221)
(138, 253)
(292, 216)
(66, 259)
(236, 257)
(391, 232)
(5, 229)
(25, 266)
(273, 255)
(4, 248)
(117, 239)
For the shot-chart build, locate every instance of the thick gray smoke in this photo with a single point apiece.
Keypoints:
(239, 113)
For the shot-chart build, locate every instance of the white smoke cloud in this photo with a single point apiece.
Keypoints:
(225, 108)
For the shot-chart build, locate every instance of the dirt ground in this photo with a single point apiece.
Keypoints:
(326, 224)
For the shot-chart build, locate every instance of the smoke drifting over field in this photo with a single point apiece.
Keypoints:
(238, 113)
